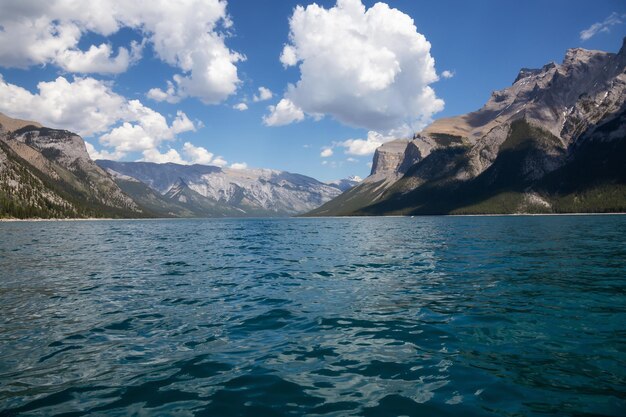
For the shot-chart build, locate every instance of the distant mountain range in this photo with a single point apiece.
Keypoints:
(345, 184)
(553, 142)
(47, 173)
(210, 191)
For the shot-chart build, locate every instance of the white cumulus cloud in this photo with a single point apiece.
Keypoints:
(240, 106)
(197, 154)
(288, 56)
(604, 26)
(182, 123)
(219, 161)
(284, 113)
(447, 74)
(326, 152)
(191, 154)
(98, 59)
(364, 67)
(84, 105)
(153, 155)
(360, 147)
(102, 154)
(239, 165)
(90, 108)
(169, 95)
(264, 94)
(187, 34)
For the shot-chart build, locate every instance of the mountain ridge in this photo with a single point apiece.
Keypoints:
(251, 192)
(552, 142)
(48, 173)
(543, 125)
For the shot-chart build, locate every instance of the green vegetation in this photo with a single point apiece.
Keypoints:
(444, 139)
(605, 198)
(523, 136)
(349, 202)
(594, 180)
(26, 192)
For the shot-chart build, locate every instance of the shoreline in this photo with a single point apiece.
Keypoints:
(618, 213)
(80, 219)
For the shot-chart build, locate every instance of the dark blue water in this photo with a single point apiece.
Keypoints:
(431, 316)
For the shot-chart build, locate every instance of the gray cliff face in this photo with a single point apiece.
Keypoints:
(48, 173)
(249, 192)
(564, 99)
(387, 160)
(525, 136)
(65, 148)
(416, 150)
(69, 151)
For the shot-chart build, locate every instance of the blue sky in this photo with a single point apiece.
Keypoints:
(482, 44)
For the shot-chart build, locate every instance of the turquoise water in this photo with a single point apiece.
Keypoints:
(425, 316)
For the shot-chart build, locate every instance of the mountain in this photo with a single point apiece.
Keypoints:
(150, 200)
(346, 183)
(203, 206)
(553, 142)
(213, 191)
(48, 173)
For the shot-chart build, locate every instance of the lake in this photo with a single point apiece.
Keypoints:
(428, 316)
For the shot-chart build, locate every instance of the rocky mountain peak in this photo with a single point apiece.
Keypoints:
(573, 54)
(62, 146)
(563, 98)
(387, 159)
(585, 86)
(529, 72)
(524, 73)
(521, 136)
(244, 191)
(74, 184)
(580, 61)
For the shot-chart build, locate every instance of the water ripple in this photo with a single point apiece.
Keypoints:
(444, 316)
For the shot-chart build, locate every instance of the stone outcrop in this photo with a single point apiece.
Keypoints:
(539, 125)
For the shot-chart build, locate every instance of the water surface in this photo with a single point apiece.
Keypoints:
(428, 316)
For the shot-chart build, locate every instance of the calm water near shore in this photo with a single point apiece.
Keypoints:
(424, 316)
